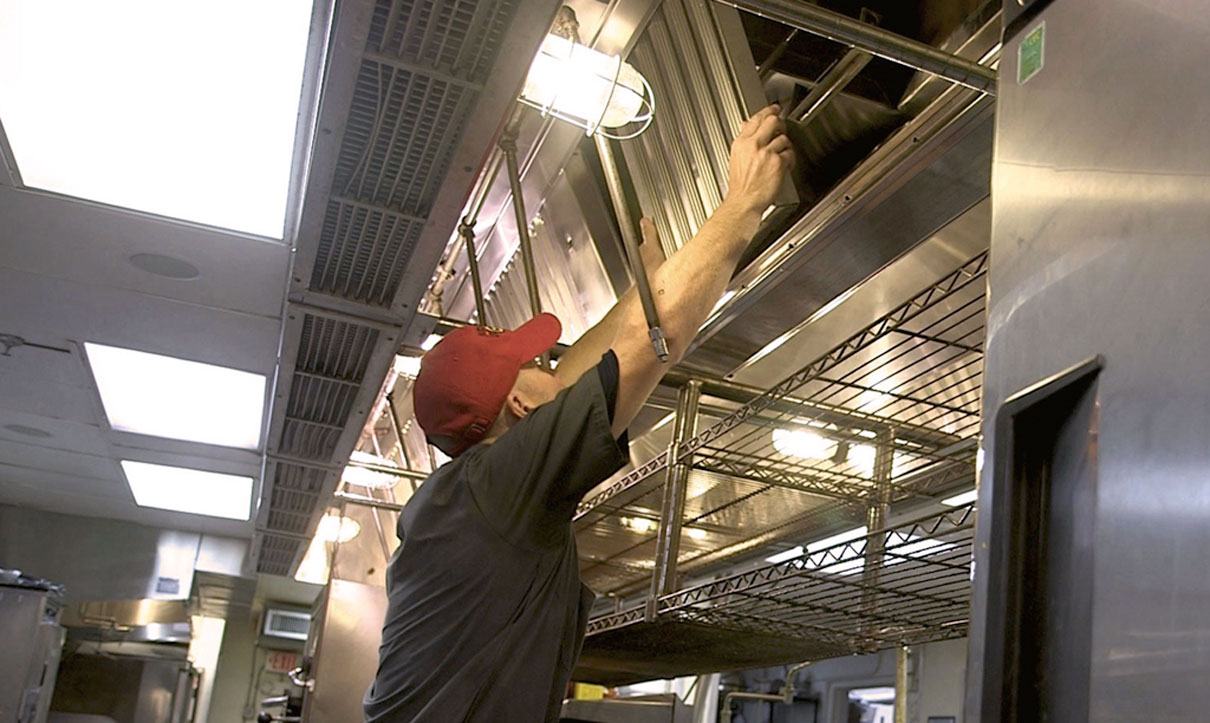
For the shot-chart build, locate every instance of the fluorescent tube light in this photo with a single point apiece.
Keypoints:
(189, 490)
(184, 109)
(959, 500)
(784, 555)
(430, 341)
(163, 396)
(837, 539)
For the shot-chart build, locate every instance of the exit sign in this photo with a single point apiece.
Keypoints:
(279, 661)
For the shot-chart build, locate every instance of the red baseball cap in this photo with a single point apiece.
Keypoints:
(465, 379)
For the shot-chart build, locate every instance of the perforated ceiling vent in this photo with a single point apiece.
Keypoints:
(419, 79)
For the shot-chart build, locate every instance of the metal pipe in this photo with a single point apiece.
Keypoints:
(726, 718)
(445, 271)
(368, 501)
(835, 80)
(672, 508)
(466, 230)
(382, 537)
(408, 474)
(765, 69)
(785, 695)
(480, 197)
(901, 683)
(841, 28)
(508, 144)
(613, 179)
(403, 447)
(876, 511)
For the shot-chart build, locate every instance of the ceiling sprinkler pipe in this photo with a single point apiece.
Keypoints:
(508, 144)
(445, 272)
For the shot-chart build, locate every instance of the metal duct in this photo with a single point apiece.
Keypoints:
(411, 90)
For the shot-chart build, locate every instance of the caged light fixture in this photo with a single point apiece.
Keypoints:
(587, 88)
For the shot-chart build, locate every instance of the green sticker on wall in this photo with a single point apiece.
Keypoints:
(1030, 54)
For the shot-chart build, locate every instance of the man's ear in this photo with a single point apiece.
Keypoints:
(516, 405)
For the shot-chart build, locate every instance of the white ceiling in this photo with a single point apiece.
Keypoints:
(66, 278)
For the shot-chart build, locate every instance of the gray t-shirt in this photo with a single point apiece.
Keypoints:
(487, 613)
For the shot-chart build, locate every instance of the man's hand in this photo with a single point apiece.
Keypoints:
(760, 154)
(689, 283)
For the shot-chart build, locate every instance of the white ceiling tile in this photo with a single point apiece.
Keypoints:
(57, 312)
(74, 240)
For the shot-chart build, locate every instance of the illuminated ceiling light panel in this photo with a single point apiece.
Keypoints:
(639, 524)
(959, 500)
(837, 539)
(189, 490)
(429, 342)
(163, 396)
(183, 109)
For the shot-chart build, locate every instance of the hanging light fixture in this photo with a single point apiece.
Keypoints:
(588, 88)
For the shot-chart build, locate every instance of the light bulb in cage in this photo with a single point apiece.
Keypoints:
(590, 89)
(803, 443)
(370, 478)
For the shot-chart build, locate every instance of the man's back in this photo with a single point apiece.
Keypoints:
(486, 608)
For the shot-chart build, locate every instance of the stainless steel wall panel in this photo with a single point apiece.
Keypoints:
(1100, 246)
(679, 166)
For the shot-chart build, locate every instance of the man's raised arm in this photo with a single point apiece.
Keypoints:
(690, 282)
(586, 352)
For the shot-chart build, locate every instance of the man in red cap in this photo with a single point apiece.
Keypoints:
(487, 611)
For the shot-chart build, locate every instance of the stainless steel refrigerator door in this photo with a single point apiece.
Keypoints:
(1101, 246)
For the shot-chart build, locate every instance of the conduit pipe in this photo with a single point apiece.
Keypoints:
(876, 41)
(508, 144)
(785, 695)
(835, 80)
(613, 179)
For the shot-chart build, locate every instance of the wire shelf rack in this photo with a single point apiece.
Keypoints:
(884, 420)
(825, 602)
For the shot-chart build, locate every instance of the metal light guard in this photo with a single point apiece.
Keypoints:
(594, 127)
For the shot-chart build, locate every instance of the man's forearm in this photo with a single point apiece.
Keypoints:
(586, 352)
(688, 285)
(686, 288)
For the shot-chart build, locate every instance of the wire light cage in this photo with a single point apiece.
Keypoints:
(595, 91)
(886, 422)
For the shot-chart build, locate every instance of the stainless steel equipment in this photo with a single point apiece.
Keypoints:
(1091, 600)
(342, 648)
(665, 708)
(33, 641)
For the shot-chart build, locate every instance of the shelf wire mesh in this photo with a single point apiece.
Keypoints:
(889, 416)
